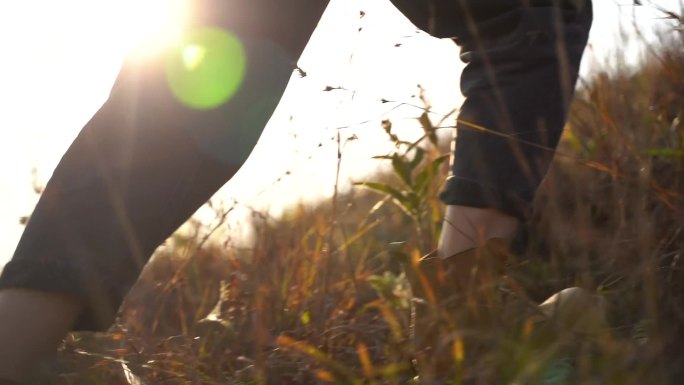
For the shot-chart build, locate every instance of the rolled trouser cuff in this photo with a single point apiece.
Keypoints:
(470, 193)
(518, 84)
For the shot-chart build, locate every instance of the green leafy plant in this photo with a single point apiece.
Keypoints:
(417, 167)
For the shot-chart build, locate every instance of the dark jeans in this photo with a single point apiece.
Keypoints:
(521, 68)
(145, 162)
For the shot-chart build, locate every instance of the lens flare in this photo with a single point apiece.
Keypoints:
(151, 26)
(207, 68)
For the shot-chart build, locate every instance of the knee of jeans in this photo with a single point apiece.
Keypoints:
(546, 28)
(570, 13)
(418, 12)
(578, 13)
(439, 18)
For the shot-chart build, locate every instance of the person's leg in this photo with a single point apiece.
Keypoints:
(466, 227)
(522, 63)
(143, 164)
(32, 325)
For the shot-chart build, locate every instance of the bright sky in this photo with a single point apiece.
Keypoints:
(58, 60)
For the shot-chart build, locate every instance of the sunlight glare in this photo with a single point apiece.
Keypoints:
(206, 68)
(152, 25)
(193, 55)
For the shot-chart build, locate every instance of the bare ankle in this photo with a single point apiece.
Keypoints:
(32, 325)
(467, 227)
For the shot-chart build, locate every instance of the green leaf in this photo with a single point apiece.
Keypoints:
(417, 158)
(422, 181)
(426, 175)
(402, 169)
(390, 288)
(398, 197)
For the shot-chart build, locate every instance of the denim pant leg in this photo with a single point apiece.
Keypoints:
(146, 162)
(522, 63)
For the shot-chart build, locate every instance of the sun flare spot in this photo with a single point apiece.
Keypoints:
(206, 68)
(152, 25)
(193, 55)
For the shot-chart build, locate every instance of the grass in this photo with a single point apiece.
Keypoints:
(322, 296)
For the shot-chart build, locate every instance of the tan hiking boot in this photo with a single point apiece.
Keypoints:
(576, 311)
(464, 305)
(458, 309)
(573, 324)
